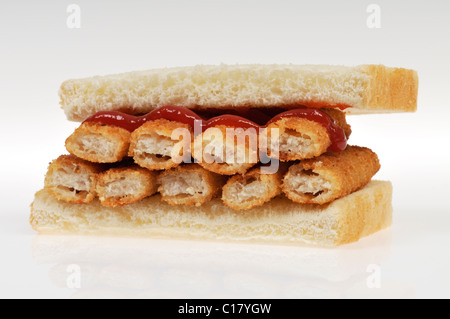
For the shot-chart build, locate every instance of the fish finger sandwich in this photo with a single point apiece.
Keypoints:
(258, 153)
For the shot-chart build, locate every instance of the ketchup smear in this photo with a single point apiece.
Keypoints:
(132, 123)
(186, 116)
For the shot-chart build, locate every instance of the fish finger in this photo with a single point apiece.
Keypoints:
(299, 138)
(152, 145)
(125, 185)
(72, 179)
(226, 150)
(99, 143)
(189, 185)
(330, 176)
(253, 189)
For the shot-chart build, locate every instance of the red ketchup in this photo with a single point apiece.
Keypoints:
(230, 120)
(186, 116)
(170, 113)
(132, 123)
(336, 133)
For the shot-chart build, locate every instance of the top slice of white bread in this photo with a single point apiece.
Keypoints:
(279, 221)
(364, 89)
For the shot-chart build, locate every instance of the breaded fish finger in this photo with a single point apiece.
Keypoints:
(189, 185)
(330, 176)
(301, 138)
(72, 179)
(253, 189)
(152, 145)
(226, 150)
(125, 185)
(99, 143)
(340, 119)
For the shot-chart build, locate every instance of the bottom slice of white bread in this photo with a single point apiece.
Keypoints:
(279, 221)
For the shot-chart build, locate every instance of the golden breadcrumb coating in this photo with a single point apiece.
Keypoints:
(253, 189)
(72, 179)
(330, 176)
(189, 185)
(340, 119)
(299, 138)
(152, 145)
(125, 185)
(99, 143)
(231, 151)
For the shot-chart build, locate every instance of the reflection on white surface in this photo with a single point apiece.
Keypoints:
(147, 268)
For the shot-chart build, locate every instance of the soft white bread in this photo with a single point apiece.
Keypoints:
(278, 221)
(366, 89)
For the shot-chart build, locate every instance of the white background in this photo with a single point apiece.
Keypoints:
(38, 52)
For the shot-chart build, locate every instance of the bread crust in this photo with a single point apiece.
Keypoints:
(391, 89)
(330, 176)
(116, 139)
(360, 89)
(144, 185)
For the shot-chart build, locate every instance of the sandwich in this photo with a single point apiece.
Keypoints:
(232, 152)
